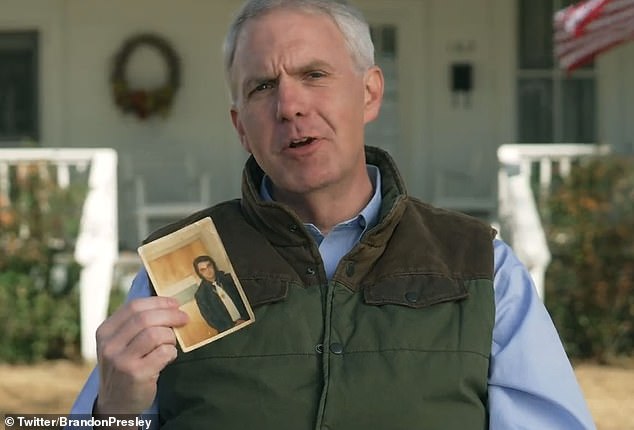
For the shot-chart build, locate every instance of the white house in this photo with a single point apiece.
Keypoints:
(463, 77)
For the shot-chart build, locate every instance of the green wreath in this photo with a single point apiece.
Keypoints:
(145, 103)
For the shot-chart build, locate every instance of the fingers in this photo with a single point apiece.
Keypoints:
(133, 318)
(129, 386)
(133, 346)
(145, 356)
(123, 314)
(159, 358)
(149, 340)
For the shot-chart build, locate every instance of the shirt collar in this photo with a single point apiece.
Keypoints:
(369, 215)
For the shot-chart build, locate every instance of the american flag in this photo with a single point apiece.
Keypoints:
(588, 28)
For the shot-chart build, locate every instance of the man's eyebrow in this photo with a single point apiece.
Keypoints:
(313, 65)
(303, 68)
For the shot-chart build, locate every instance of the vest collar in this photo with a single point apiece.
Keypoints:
(282, 226)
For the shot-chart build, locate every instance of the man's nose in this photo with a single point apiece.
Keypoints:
(291, 100)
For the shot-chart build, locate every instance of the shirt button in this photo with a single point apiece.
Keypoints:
(336, 348)
(350, 268)
(310, 271)
(411, 297)
(319, 348)
(362, 222)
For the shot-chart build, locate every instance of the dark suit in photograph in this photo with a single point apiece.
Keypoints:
(211, 306)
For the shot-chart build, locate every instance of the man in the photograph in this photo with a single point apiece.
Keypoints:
(217, 297)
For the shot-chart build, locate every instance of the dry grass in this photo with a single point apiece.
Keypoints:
(609, 391)
(51, 388)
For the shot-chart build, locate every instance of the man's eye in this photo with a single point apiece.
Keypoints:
(316, 74)
(263, 86)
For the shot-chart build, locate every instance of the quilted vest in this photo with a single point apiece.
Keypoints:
(400, 338)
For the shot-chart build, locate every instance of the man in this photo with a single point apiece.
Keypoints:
(374, 310)
(217, 297)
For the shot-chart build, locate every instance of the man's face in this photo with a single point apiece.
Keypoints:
(206, 270)
(301, 103)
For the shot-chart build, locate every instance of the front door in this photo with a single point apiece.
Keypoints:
(397, 33)
(441, 113)
(467, 68)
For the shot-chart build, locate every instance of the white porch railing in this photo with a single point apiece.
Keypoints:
(518, 215)
(97, 244)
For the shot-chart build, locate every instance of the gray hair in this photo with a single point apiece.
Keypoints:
(349, 20)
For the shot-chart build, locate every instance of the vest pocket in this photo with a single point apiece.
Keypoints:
(263, 290)
(414, 291)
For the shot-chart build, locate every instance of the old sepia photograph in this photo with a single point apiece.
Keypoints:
(192, 266)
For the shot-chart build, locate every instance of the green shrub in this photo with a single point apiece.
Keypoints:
(116, 300)
(37, 323)
(590, 282)
(39, 303)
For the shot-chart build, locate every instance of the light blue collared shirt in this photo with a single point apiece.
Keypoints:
(531, 382)
(345, 235)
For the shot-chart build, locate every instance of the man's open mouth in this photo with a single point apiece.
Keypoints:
(297, 143)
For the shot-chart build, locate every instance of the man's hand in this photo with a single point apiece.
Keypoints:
(133, 346)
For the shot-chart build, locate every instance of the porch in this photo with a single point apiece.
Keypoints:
(104, 265)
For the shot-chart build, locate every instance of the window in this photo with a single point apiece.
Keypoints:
(18, 85)
(552, 107)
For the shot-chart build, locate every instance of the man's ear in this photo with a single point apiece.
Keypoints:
(237, 124)
(373, 89)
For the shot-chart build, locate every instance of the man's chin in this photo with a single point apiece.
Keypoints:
(302, 186)
(300, 179)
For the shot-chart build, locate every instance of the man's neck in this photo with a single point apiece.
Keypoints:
(328, 207)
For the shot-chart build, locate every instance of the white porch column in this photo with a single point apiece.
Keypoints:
(97, 247)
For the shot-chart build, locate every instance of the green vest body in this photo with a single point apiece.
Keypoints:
(400, 338)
